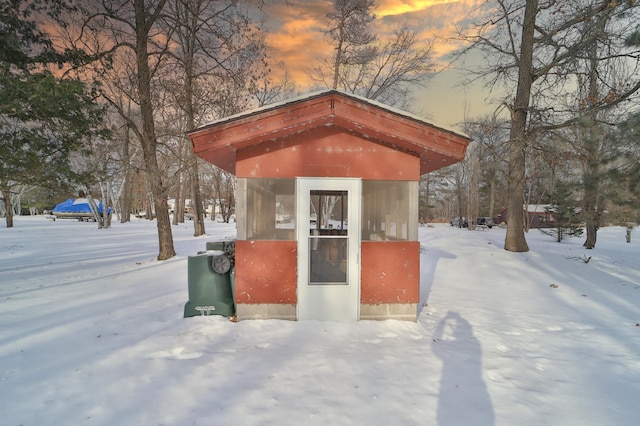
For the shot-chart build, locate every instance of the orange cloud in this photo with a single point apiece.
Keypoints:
(392, 8)
(434, 21)
(295, 36)
(296, 28)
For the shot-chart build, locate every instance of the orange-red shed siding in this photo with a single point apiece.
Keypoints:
(390, 272)
(266, 272)
(326, 152)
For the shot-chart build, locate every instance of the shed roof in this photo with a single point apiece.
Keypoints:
(437, 147)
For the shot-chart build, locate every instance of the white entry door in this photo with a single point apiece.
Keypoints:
(328, 234)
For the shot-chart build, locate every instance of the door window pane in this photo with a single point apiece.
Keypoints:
(327, 260)
(328, 228)
(328, 212)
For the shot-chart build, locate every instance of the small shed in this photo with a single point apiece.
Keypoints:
(327, 205)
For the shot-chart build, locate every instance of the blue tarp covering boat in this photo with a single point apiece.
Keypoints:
(77, 208)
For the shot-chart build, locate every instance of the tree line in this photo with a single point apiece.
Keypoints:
(99, 96)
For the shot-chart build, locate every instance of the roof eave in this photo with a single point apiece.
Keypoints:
(437, 147)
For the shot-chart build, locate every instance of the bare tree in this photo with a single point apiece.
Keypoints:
(485, 161)
(473, 158)
(515, 240)
(603, 72)
(440, 192)
(384, 69)
(535, 44)
(222, 193)
(266, 91)
(133, 26)
(460, 191)
(492, 135)
(349, 29)
(125, 157)
(392, 70)
(218, 56)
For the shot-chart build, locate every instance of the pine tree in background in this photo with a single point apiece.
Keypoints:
(628, 171)
(565, 212)
(44, 118)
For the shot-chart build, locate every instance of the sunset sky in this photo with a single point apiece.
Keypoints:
(295, 33)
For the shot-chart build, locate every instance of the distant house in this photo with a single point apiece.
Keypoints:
(538, 215)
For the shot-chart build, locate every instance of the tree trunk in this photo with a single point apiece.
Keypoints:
(181, 201)
(161, 206)
(198, 208)
(338, 58)
(127, 191)
(459, 196)
(592, 235)
(178, 205)
(6, 193)
(424, 214)
(492, 197)
(94, 211)
(148, 208)
(107, 202)
(149, 142)
(126, 206)
(591, 206)
(591, 176)
(515, 240)
(474, 188)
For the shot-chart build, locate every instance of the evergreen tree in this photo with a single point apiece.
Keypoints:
(628, 171)
(565, 212)
(44, 118)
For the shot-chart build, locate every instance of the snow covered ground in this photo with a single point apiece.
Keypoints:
(91, 333)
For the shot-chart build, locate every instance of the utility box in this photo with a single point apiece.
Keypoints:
(210, 291)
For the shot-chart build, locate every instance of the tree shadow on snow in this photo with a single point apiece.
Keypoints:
(463, 397)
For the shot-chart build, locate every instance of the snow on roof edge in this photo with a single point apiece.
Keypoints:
(405, 114)
(319, 93)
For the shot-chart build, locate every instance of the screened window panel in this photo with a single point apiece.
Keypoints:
(389, 210)
(268, 207)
